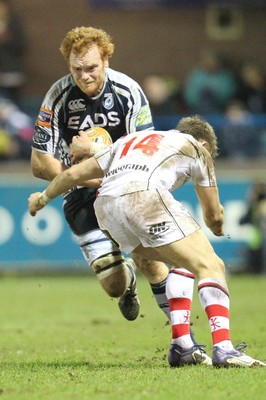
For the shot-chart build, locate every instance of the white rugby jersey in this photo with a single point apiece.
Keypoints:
(154, 159)
(121, 108)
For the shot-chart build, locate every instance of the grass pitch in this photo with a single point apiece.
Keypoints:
(63, 338)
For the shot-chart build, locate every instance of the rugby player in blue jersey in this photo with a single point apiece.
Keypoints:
(94, 95)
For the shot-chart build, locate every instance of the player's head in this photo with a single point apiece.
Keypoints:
(82, 38)
(200, 130)
(87, 51)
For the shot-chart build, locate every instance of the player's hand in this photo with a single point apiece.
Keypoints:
(80, 147)
(218, 231)
(34, 204)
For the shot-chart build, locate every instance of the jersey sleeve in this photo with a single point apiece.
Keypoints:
(139, 115)
(203, 171)
(133, 102)
(47, 127)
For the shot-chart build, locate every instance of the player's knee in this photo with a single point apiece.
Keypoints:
(112, 272)
(219, 266)
(212, 266)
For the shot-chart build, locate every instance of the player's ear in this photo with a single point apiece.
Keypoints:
(106, 63)
(205, 144)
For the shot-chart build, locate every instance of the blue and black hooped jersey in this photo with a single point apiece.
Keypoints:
(121, 108)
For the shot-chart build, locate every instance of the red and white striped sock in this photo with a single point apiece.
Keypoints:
(179, 291)
(214, 298)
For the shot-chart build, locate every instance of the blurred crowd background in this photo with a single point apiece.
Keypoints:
(204, 57)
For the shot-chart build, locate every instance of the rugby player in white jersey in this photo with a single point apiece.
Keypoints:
(93, 94)
(137, 211)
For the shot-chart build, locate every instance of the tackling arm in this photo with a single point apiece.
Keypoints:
(73, 176)
(45, 166)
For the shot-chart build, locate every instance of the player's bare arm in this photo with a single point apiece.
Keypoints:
(213, 212)
(76, 175)
(45, 166)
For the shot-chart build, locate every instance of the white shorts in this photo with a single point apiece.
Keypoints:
(152, 218)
